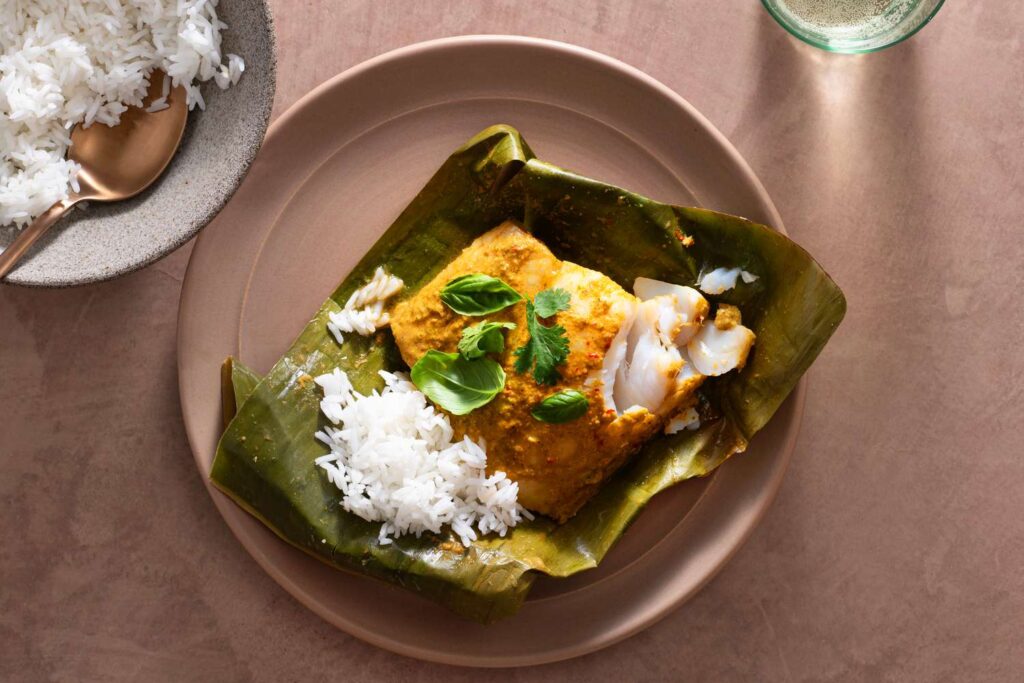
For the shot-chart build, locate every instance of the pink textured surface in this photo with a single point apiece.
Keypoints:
(893, 551)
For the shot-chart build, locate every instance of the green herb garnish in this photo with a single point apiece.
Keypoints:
(564, 406)
(456, 384)
(478, 294)
(483, 338)
(550, 302)
(547, 347)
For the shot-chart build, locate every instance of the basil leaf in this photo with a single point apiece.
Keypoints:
(478, 294)
(565, 406)
(551, 301)
(456, 384)
(483, 338)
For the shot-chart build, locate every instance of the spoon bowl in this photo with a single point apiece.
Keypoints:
(121, 161)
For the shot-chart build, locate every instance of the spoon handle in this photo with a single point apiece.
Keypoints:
(12, 254)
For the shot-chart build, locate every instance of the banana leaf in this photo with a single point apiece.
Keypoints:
(265, 458)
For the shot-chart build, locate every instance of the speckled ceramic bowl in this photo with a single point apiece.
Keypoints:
(107, 240)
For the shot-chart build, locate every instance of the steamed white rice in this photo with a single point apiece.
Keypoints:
(64, 62)
(395, 461)
(364, 311)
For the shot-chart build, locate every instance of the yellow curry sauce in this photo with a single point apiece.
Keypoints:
(558, 466)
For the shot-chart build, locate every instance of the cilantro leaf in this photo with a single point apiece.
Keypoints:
(483, 338)
(547, 347)
(551, 301)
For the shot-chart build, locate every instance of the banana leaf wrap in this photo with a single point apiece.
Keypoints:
(265, 458)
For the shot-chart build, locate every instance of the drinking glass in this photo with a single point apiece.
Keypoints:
(853, 25)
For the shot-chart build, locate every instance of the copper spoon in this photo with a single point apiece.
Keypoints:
(117, 163)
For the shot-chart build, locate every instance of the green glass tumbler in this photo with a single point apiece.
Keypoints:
(853, 25)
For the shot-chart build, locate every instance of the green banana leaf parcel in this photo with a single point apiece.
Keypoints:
(265, 458)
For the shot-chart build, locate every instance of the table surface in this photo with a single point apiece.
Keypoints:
(894, 549)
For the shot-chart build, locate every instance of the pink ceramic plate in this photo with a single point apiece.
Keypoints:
(321, 192)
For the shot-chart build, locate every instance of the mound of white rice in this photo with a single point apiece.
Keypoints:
(64, 62)
(393, 458)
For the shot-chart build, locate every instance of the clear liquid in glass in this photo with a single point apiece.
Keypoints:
(852, 25)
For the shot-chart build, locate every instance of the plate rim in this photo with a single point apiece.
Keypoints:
(782, 456)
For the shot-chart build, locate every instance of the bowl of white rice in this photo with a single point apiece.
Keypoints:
(83, 62)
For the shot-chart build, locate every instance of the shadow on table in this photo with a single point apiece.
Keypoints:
(846, 127)
(846, 145)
